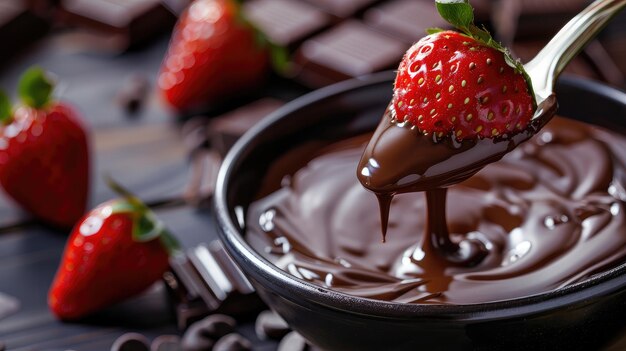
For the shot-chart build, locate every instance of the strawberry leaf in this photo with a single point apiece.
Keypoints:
(35, 88)
(5, 108)
(169, 242)
(146, 225)
(434, 30)
(459, 13)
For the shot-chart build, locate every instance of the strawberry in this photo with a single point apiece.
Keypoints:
(44, 157)
(116, 251)
(213, 54)
(462, 84)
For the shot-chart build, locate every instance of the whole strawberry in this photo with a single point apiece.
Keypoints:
(44, 157)
(116, 251)
(213, 54)
(462, 84)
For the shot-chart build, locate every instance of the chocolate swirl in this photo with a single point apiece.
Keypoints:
(550, 213)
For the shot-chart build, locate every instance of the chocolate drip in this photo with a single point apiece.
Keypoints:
(551, 213)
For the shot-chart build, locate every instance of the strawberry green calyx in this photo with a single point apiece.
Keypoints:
(35, 88)
(5, 108)
(279, 56)
(460, 14)
(146, 225)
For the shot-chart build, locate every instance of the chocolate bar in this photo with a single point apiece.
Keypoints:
(206, 280)
(543, 18)
(19, 27)
(225, 130)
(208, 141)
(133, 21)
(526, 50)
(349, 50)
(285, 22)
(405, 19)
(342, 8)
(43, 8)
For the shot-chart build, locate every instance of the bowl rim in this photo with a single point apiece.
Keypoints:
(295, 289)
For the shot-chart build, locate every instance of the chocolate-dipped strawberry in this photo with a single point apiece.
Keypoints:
(460, 101)
(454, 94)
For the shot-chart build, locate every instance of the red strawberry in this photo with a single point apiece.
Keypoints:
(465, 85)
(116, 251)
(44, 157)
(213, 54)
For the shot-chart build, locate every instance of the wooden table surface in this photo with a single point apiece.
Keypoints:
(144, 152)
(147, 155)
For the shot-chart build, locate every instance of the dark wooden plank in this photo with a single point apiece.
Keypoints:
(28, 262)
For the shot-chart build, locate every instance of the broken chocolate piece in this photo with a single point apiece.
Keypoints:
(208, 281)
(176, 6)
(541, 19)
(166, 343)
(195, 340)
(269, 325)
(225, 130)
(19, 27)
(133, 94)
(133, 21)
(342, 8)
(293, 342)
(285, 23)
(233, 342)
(203, 334)
(131, 342)
(349, 50)
(218, 325)
(405, 19)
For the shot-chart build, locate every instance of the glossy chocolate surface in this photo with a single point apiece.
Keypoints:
(550, 214)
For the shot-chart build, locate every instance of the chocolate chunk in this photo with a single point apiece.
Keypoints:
(43, 8)
(225, 130)
(269, 325)
(176, 6)
(293, 342)
(349, 50)
(202, 334)
(166, 343)
(195, 340)
(133, 94)
(405, 19)
(19, 27)
(541, 19)
(133, 21)
(342, 8)
(8, 305)
(285, 22)
(203, 176)
(233, 342)
(207, 281)
(131, 342)
(194, 132)
(218, 325)
(188, 277)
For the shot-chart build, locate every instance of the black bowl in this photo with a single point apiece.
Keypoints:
(582, 316)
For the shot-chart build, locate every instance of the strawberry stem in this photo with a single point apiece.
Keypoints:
(146, 225)
(6, 115)
(279, 56)
(460, 14)
(35, 88)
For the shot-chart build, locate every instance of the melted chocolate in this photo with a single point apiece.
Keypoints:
(550, 213)
(400, 159)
